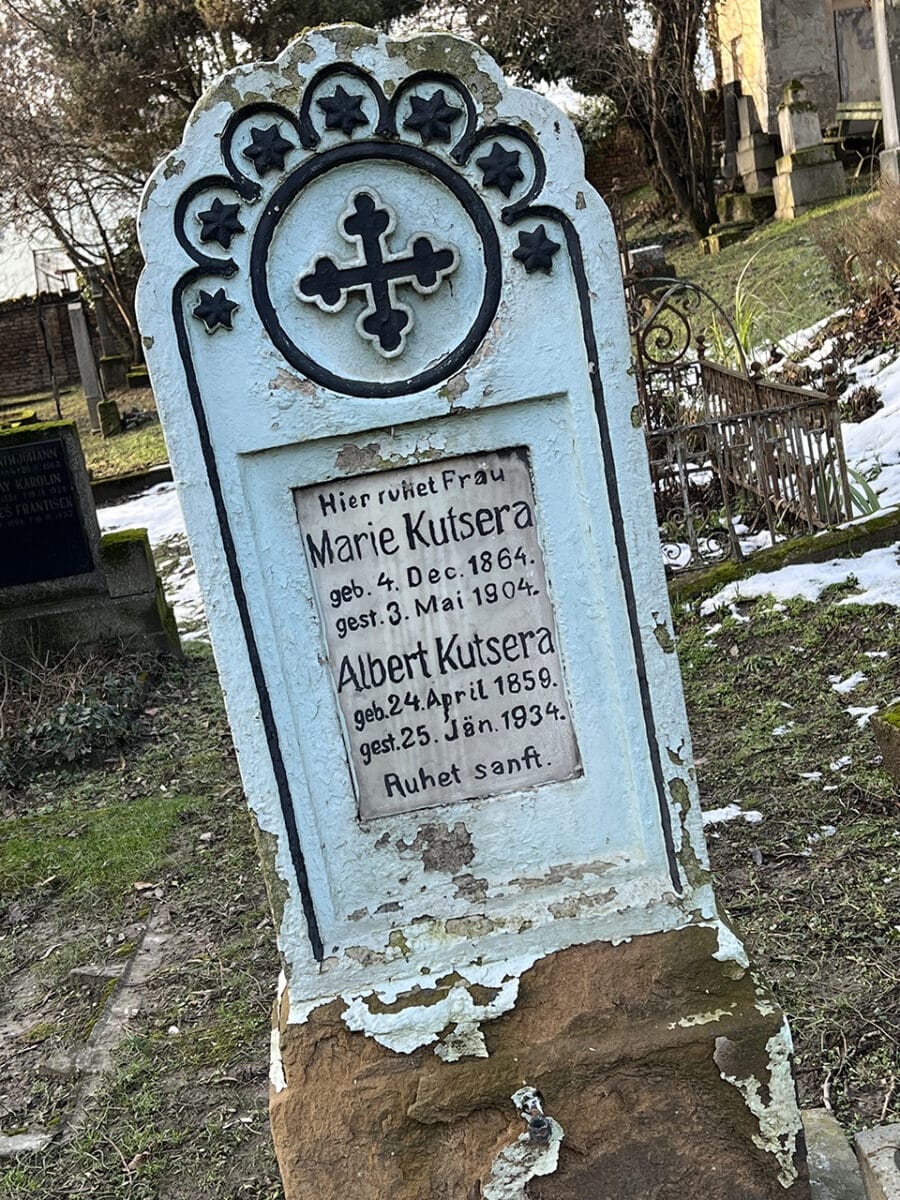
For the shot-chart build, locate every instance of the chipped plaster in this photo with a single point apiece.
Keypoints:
(778, 1116)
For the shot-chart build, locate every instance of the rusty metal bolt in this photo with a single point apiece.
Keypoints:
(539, 1130)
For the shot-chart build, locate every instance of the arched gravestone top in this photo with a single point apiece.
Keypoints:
(384, 321)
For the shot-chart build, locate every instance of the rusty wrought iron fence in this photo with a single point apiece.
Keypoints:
(732, 456)
(736, 460)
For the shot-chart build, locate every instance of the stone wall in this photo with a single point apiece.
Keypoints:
(766, 43)
(619, 156)
(23, 359)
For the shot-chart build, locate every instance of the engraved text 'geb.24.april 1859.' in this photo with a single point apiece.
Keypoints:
(441, 635)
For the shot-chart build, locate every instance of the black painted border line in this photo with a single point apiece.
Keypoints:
(262, 690)
(573, 245)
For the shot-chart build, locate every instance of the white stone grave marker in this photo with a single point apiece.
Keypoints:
(384, 322)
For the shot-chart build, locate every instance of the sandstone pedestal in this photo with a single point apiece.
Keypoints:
(667, 1069)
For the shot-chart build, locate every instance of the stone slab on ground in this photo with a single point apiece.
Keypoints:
(833, 1169)
(878, 1151)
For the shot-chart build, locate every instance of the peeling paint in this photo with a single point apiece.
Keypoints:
(778, 1115)
(469, 927)
(470, 888)
(352, 458)
(523, 1160)
(561, 873)
(663, 635)
(407, 1029)
(706, 1018)
(276, 1064)
(731, 948)
(441, 848)
(287, 381)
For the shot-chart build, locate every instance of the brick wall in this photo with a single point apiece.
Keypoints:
(23, 359)
(620, 156)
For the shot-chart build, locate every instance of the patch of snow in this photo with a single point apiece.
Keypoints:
(863, 715)
(875, 653)
(840, 764)
(715, 816)
(842, 686)
(826, 831)
(811, 775)
(783, 730)
(876, 573)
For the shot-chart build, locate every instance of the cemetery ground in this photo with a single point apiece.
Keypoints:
(145, 829)
(134, 928)
(138, 447)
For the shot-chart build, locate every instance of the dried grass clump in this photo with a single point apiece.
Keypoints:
(864, 253)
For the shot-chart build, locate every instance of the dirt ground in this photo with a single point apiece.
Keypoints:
(134, 930)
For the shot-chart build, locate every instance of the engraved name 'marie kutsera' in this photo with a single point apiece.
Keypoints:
(441, 634)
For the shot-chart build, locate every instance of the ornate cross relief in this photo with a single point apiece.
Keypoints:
(261, 223)
(377, 273)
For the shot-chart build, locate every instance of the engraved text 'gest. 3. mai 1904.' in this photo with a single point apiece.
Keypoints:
(441, 635)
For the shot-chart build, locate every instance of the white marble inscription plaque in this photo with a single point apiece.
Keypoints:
(441, 635)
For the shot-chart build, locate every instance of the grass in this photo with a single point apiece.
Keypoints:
(788, 280)
(104, 852)
(185, 1111)
(135, 449)
(814, 886)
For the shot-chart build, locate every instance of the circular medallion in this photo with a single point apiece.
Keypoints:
(376, 269)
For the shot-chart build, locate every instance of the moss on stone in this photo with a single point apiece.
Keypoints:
(30, 433)
(835, 543)
(891, 716)
(117, 544)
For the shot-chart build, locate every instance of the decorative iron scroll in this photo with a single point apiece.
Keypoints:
(737, 462)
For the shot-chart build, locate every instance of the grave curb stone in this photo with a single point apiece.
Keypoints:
(878, 1151)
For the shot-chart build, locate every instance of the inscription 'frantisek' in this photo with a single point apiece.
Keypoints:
(441, 635)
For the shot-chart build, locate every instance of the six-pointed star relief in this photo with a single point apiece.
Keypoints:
(219, 223)
(343, 111)
(215, 310)
(267, 149)
(431, 119)
(377, 273)
(535, 251)
(500, 168)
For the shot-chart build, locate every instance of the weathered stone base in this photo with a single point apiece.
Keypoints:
(756, 162)
(805, 179)
(131, 611)
(668, 1070)
(742, 206)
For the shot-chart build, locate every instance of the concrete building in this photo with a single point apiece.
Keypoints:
(828, 44)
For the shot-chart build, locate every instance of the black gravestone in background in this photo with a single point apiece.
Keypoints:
(41, 534)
